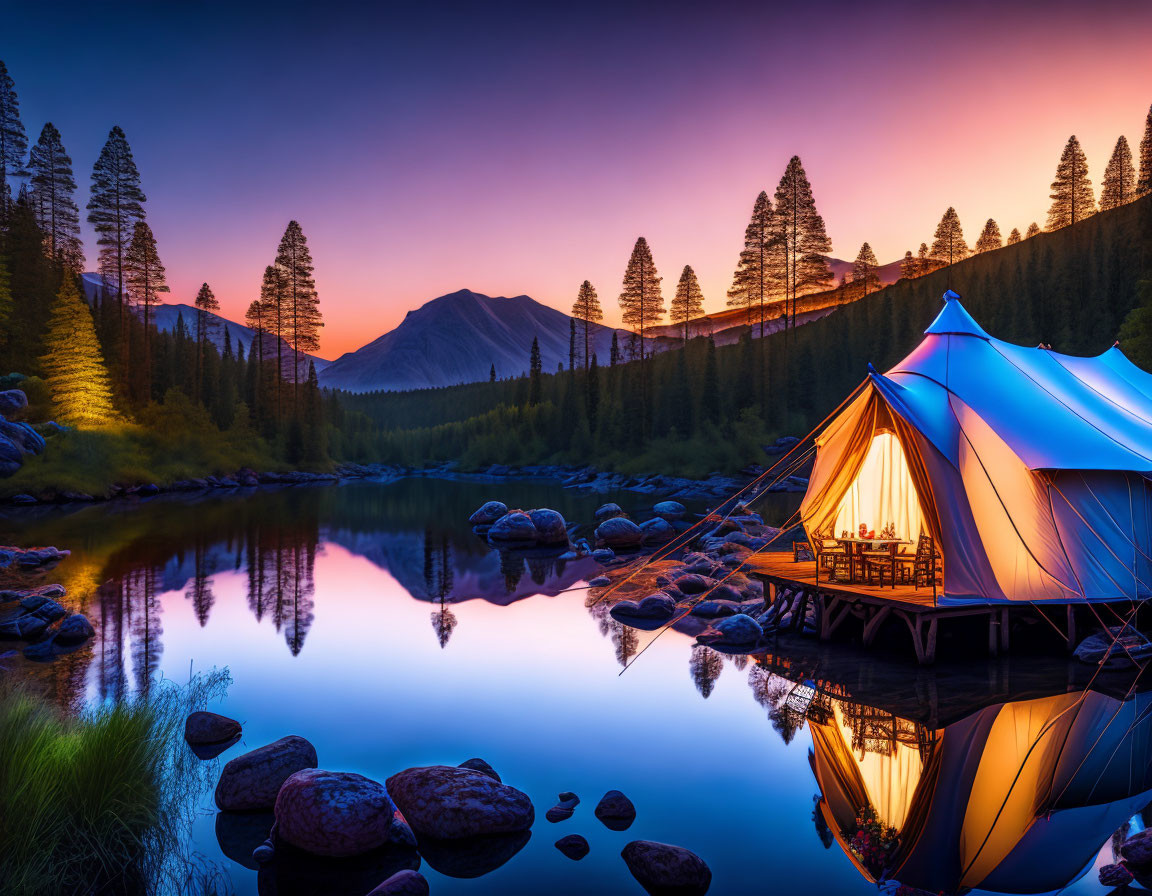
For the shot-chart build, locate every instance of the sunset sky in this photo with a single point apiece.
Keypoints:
(522, 148)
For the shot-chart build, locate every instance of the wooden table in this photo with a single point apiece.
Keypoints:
(854, 547)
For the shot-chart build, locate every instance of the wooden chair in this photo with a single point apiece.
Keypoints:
(880, 565)
(920, 568)
(802, 551)
(831, 555)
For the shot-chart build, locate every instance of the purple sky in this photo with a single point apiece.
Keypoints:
(521, 149)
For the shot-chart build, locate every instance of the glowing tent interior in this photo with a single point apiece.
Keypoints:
(1015, 798)
(1028, 468)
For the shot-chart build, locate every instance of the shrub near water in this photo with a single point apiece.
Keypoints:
(97, 802)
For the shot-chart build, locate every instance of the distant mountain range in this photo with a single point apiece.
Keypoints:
(457, 338)
(166, 316)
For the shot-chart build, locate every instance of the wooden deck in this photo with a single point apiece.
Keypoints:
(792, 591)
(780, 565)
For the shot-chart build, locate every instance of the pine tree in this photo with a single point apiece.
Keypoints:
(75, 373)
(144, 280)
(948, 244)
(272, 300)
(1033, 229)
(255, 318)
(592, 394)
(1014, 236)
(1072, 197)
(535, 369)
(1144, 182)
(710, 406)
(908, 268)
(798, 232)
(571, 344)
(492, 374)
(13, 141)
(640, 297)
(206, 307)
(923, 260)
(614, 351)
(688, 303)
(53, 197)
(989, 238)
(866, 269)
(304, 318)
(1119, 184)
(116, 205)
(757, 280)
(587, 309)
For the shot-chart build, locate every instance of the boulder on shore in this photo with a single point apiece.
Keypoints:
(488, 513)
(549, 525)
(670, 510)
(11, 401)
(253, 780)
(619, 532)
(738, 629)
(449, 803)
(657, 531)
(515, 526)
(338, 814)
(201, 728)
(666, 869)
(607, 512)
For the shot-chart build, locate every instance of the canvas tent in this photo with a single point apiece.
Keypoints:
(1015, 798)
(1028, 468)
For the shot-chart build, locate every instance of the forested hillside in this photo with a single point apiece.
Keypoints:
(707, 407)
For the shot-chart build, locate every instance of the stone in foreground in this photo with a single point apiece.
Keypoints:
(514, 527)
(450, 803)
(618, 532)
(1115, 876)
(665, 869)
(403, 883)
(202, 728)
(75, 630)
(616, 811)
(338, 814)
(549, 525)
(573, 846)
(252, 781)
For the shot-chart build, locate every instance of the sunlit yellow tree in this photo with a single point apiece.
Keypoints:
(1072, 196)
(989, 238)
(688, 303)
(73, 364)
(1119, 184)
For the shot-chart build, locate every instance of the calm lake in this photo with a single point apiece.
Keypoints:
(368, 618)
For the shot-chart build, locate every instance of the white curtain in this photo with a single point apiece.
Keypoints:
(883, 493)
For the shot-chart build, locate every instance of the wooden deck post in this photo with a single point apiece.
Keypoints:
(993, 634)
(1071, 640)
(1004, 628)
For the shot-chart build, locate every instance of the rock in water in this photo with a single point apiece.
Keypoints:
(1115, 876)
(449, 803)
(479, 765)
(514, 526)
(252, 781)
(338, 814)
(574, 846)
(470, 857)
(1137, 849)
(619, 533)
(607, 512)
(670, 510)
(664, 869)
(74, 630)
(739, 629)
(616, 811)
(603, 555)
(550, 526)
(657, 531)
(209, 728)
(488, 513)
(403, 883)
(562, 811)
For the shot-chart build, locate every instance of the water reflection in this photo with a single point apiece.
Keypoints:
(1016, 797)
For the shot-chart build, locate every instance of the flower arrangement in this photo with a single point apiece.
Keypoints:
(873, 841)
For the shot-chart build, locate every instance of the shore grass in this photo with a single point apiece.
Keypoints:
(98, 802)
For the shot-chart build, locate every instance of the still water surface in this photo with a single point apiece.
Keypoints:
(368, 618)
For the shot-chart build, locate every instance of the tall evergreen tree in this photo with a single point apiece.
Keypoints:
(989, 238)
(614, 351)
(866, 269)
(1014, 236)
(255, 318)
(948, 245)
(116, 205)
(710, 407)
(1072, 196)
(640, 297)
(304, 318)
(53, 197)
(206, 307)
(272, 301)
(571, 344)
(798, 232)
(1119, 184)
(592, 394)
(923, 260)
(688, 303)
(757, 280)
(535, 369)
(1033, 229)
(587, 309)
(13, 141)
(908, 268)
(144, 280)
(74, 367)
(1144, 181)
(492, 374)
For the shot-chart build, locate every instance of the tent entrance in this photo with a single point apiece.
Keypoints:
(882, 492)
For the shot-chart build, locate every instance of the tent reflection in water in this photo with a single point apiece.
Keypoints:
(1016, 798)
(1026, 467)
